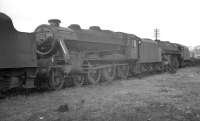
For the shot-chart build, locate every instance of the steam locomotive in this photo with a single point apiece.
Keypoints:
(52, 55)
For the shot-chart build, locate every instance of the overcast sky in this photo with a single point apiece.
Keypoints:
(177, 20)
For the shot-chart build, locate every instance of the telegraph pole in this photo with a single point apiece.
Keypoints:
(156, 33)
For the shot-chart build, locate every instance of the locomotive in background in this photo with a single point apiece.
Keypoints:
(195, 55)
(195, 52)
(53, 55)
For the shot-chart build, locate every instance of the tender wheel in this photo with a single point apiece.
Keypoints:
(122, 72)
(94, 76)
(78, 80)
(108, 74)
(56, 80)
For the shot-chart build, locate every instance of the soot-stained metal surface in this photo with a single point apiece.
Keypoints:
(16, 48)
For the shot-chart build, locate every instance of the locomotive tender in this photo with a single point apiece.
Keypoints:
(53, 55)
(17, 54)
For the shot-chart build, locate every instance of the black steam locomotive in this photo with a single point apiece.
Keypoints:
(53, 55)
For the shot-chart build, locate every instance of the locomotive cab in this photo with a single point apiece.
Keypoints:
(132, 47)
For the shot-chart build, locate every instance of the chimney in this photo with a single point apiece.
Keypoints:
(54, 22)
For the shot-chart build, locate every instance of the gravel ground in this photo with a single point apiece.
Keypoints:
(163, 97)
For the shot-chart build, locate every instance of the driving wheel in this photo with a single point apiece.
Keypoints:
(108, 74)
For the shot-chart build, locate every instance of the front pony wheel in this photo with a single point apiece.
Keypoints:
(56, 79)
